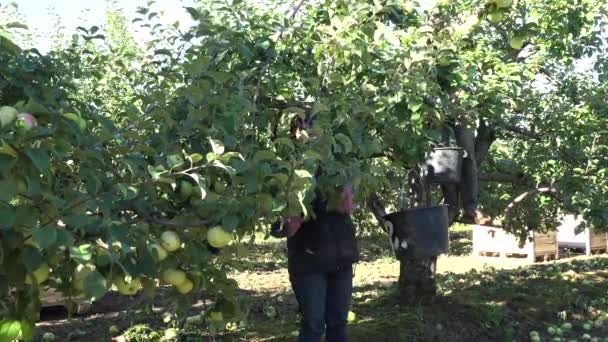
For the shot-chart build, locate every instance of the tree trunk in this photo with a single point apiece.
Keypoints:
(417, 279)
(416, 276)
(464, 195)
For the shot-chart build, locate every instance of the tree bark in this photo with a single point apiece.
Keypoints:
(417, 279)
(464, 195)
(416, 276)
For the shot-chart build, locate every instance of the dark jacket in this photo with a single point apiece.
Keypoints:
(323, 244)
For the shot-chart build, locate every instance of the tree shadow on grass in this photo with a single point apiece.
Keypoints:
(486, 305)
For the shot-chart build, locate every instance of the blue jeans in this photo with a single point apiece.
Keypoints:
(324, 300)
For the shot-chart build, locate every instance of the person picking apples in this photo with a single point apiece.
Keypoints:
(321, 251)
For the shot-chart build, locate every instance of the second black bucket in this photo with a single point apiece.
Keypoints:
(445, 165)
(425, 231)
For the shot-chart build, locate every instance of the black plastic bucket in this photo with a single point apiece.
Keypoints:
(445, 165)
(424, 230)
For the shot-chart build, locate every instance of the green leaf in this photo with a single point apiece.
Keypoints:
(9, 330)
(345, 141)
(310, 154)
(76, 119)
(8, 150)
(82, 253)
(64, 238)
(7, 217)
(9, 189)
(217, 146)
(284, 142)
(165, 52)
(95, 285)
(195, 158)
(263, 155)
(175, 160)
(28, 330)
(230, 155)
(40, 158)
(156, 171)
(230, 170)
(32, 259)
(200, 182)
(303, 174)
(128, 192)
(230, 222)
(298, 111)
(415, 103)
(35, 107)
(16, 25)
(6, 162)
(45, 237)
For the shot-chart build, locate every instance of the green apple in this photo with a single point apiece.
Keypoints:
(174, 276)
(194, 320)
(170, 334)
(113, 330)
(219, 187)
(185, 287)
(216, 316)
(158, 252)
(80, 274)
(218, 237)
(170, 241)
(27, 121)
(30, 242)
(7, 115)
(127, 289)
(185, 189)
(48, 337)
(82, 123)
(503, 3)
(517, 42)
(39, 276)
(495, 17)
(270, 311)
(351, 317)
(21, 185)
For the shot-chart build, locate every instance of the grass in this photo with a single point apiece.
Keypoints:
(481, 299)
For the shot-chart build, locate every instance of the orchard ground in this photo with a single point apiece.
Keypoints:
(481, 299)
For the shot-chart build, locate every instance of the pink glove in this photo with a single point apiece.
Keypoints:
(292, 225)
(346, 205)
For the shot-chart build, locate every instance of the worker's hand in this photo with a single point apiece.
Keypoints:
(292, 225)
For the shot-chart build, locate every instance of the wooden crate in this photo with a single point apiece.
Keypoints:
(598, 243)
(591, 242)
(51, 297)
(494, 241)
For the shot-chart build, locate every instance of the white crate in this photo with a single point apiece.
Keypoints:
(567, 236)
(489, 240)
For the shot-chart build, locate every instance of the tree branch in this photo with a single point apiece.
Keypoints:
(377, 208)
(486, 135)
(545, 191)
(521, 131)
(500, 177)
(168, 223)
